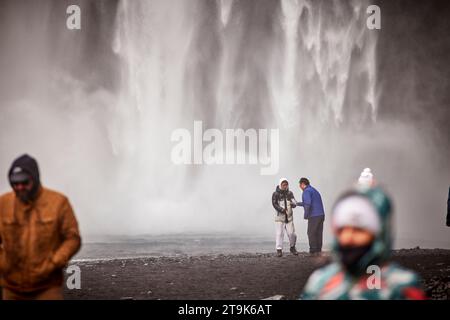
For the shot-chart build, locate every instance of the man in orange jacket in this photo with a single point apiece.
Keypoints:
(38, 236)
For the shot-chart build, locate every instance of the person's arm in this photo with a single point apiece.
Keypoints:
(411, 289)
(448, 209)
(306, 199)
(70, 235)
(276, 205)
(293, 201)
(313, 286)
(1, 252)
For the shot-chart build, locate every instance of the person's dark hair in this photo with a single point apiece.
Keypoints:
(304, 180)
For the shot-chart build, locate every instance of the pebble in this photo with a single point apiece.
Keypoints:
(276, 297)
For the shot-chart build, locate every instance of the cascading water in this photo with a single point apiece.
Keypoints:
(225, 10)
(271, 65)
(307, 68)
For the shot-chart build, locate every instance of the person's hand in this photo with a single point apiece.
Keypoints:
(2, 264)
(293, 205)
(46, 268)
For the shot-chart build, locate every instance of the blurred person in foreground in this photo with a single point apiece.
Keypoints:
(38, 236)
(361, 225)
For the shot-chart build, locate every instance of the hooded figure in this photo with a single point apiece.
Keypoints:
(38, 235)
(24, 169)
(283, 202)
(362, 228)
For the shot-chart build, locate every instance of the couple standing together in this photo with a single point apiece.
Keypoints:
(284, 202)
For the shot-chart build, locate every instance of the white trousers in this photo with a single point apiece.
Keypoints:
(281, 227)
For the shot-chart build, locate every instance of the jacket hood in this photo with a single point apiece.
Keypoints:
(281, 181)
(30, 166)
(278, 188)
(27, 164)
(382, 243)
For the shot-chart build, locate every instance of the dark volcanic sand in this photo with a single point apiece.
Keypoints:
(244, 276)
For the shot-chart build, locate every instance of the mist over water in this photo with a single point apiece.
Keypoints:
(97, 107)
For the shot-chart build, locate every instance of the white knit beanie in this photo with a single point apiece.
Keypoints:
(356, 211)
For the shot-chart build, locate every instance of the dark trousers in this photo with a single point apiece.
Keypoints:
(315, 232)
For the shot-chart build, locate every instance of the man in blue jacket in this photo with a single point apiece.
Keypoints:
(314, 213)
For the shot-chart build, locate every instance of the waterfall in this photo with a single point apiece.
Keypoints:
(329, 62)
(231, 64)
(225, 10)
(98, 106)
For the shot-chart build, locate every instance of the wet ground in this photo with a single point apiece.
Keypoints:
(236, 276)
